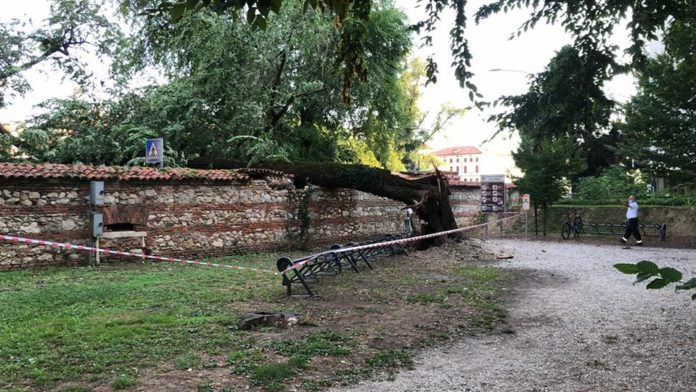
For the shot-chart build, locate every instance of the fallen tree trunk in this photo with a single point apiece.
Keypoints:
(426, 194)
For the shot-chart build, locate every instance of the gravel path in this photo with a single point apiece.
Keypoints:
(579, 325)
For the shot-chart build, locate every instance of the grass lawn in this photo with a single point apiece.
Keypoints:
(124, 326)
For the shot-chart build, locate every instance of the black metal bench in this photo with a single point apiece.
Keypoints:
(307, 269)
(646, 230)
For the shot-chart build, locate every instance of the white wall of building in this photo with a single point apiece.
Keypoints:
(470, 167)
(467, 166)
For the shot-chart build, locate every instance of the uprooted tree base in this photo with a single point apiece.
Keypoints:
(426, 194)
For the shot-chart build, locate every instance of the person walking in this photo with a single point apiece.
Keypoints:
(631, 221)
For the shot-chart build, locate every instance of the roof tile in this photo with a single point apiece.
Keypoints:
(461, 150)
(49, 170)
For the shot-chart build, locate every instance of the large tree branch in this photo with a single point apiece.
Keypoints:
(57, 45)
(277, 116)
(14, 70)
(428, 193)
(276, 82)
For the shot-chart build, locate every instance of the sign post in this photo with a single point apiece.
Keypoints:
(493, 196)
(154, 152)
(525, 209)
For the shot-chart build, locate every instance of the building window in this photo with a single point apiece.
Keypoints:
(476, 159)
(451, 168)
(465, 169)
(457, 169)
(477, 169)
(450, 160)
(457, 160)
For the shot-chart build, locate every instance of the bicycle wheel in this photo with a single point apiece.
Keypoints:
(565, 230)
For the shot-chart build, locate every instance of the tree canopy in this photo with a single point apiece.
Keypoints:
(590, 22)
(547, 163)
(70, 27)
(660, 128)
(566, 100)
(233, 92)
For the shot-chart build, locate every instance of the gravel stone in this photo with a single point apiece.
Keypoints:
(574, 324)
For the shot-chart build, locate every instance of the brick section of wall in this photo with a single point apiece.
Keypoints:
(194, 219)
(466, 205)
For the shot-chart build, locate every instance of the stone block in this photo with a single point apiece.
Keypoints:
(46, 257)
(32, 228)
(69, 224)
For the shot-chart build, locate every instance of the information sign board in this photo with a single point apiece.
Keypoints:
(493, 193)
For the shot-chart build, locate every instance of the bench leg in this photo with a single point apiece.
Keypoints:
(304, 283)
(350, 261)
(360, 255)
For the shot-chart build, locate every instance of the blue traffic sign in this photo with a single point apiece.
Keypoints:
(154, 151)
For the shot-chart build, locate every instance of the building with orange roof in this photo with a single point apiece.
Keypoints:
(465, 161)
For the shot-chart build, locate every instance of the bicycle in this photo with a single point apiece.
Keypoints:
(572, 225)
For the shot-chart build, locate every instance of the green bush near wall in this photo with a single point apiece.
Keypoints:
(679, 219)
(676, 201)
(617, 182)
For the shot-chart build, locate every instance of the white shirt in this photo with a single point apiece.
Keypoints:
(632, 211)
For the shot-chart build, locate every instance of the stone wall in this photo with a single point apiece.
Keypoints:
(679, 220)
(466, 204)
(195, 218)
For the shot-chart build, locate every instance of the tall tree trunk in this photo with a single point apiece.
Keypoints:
(544, 207)
(536, 219)
(427, 194)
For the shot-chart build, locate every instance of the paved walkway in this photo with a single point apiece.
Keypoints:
(579, 325)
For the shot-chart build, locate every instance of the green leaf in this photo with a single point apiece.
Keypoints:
(690, 284)
(670, 274)
(264, 7)
(251, 15)
(275, 5)
(177, 11)
(648, 266)
(259, 23)
(643, 276)
(627, 268)
(657, 284)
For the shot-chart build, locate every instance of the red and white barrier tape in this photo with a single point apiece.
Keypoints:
(69, 246)
(310, 259)
(307, 261)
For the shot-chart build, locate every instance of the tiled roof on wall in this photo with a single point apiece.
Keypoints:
(459, 183)
(462, 150)
(49, 170)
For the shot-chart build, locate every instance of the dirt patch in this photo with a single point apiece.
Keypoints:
(386, 314)
(576, 324)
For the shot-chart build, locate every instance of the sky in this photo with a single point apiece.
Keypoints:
(489, 42)
(493, 50)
